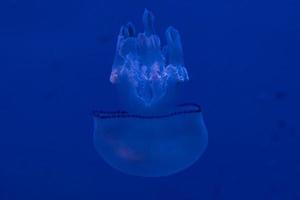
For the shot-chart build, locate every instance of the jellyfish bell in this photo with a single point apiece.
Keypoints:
(152, 135)
(151, 145)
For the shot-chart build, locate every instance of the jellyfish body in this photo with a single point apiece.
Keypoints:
(149, 140)
(151, 145)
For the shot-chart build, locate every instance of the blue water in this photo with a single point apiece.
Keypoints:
(244, 66)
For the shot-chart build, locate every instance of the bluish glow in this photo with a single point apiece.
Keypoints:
(141, 62)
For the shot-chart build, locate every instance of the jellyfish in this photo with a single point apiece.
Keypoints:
(152, 136)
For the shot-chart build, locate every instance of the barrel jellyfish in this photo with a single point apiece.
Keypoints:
(152, 136)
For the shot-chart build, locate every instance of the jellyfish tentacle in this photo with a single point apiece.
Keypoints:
(144, 65)
(129, 30)
(175, 54)
(148, 19)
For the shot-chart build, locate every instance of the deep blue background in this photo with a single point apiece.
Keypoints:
(243, 61)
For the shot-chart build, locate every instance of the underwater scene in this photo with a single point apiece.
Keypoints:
(149, 100)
